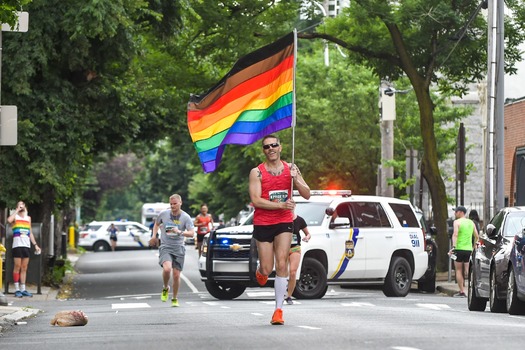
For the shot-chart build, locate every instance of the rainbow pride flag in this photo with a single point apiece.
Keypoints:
(254, 99)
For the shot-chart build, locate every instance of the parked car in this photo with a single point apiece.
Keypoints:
(490, 263)
(516, 282)
(130, 235)
(354, 239)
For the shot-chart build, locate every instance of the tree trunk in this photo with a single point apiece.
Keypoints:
(432, 174)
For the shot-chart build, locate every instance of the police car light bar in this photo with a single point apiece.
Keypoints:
(342, 193)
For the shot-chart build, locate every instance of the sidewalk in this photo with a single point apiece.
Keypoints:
(17, 310)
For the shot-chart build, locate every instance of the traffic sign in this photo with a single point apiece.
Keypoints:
(21, 26)
(8, 126)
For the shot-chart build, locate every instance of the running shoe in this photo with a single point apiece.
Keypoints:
(460, 295)
(18, 294)
(289, 301)
(174, 302)
(261, 279)
(164, 294)
(25, 293)
(277, 318)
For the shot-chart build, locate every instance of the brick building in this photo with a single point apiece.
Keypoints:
(515, 152)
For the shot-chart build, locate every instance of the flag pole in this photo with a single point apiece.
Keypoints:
(294, 116)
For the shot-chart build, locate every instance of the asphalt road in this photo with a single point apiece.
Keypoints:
(120, 294)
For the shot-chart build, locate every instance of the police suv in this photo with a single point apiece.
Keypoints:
(354, 239)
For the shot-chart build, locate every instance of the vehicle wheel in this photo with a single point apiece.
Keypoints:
(398, 279)
(474, 302)
(101, 246)
(312, 281)
(496, 305)
(514, 305)
(224, 291)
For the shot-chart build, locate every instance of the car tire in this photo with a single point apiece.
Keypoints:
(398, 279)
(312, 281)
(514, 305)
(224, 291)
(474, 302)
(496, 305)
(101, 246)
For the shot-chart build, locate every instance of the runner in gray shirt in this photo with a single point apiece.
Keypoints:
(174, 224)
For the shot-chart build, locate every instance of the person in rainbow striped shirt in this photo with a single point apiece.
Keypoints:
(22, 239)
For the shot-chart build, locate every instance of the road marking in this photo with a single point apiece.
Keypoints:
(404, 348)
(256, 314)
(188, 282)
(129, 306)
(309, 327)
(434, 306)
(357, 304)
(261, 294)
(130, 296)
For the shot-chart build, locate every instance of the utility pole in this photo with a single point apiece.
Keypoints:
(494, 146)
(387, 104)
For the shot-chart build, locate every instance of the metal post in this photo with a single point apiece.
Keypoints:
(499, 108)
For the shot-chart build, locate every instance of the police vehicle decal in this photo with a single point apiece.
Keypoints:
(348, 254)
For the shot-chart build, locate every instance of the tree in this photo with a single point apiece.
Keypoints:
(62, 75)
(423, 41)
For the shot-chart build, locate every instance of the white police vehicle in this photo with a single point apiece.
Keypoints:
(130, 235)
(354, 239)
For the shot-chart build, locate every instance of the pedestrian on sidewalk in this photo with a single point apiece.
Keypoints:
(22, 239)
(113, 236)
(474, 216)
(174, 224)
(464, 231)
(270, 187)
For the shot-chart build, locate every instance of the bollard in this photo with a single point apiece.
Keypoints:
(2, 249)
(3, 299)
(63, 245)
(71, 236)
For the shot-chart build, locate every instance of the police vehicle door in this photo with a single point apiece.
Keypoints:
(348, 251)
(377, 232)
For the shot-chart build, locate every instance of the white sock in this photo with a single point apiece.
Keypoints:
(22, 287)
(281, 289)
(17, 286)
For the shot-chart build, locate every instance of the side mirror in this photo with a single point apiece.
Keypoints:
(490, 230)
(329, 211)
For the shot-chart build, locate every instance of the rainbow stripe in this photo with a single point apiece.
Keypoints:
(253, 100)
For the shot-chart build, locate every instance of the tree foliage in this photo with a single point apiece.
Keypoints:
(440, 43)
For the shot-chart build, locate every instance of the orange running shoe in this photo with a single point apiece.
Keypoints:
(261, 279)
(277, 318)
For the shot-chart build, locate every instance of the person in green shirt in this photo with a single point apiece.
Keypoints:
(464, 230)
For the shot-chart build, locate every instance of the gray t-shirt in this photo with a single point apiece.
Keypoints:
(168, 223)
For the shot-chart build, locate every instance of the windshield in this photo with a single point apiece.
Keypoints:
(515, 223)
(312, 212)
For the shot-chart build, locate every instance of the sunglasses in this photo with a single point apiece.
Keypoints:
(271, 145)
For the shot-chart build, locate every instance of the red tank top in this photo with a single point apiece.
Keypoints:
(202, 230)
(276, 189)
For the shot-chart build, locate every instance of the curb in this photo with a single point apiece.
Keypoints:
(14, 315)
